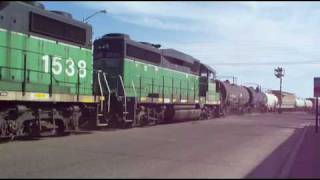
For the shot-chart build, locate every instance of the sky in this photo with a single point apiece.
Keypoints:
(246, 39)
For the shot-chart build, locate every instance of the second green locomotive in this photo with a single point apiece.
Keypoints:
(144, 84)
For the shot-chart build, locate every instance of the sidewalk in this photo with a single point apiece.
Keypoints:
(307, 160)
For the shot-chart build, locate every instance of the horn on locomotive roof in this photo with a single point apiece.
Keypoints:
(150, 44)
(116, 35)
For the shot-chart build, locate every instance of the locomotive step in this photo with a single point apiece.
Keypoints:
(128, 120)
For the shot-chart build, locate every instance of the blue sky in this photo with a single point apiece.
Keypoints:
(222, 32)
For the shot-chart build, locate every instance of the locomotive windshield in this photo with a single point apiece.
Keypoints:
(111, 48)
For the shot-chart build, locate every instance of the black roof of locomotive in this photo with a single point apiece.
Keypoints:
(166, 52)
(179, 55)
(128, 40)
(9, 9)
(209, 68)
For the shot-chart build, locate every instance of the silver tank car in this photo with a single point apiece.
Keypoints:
(299, 104)
(258, 100)
(261, 101)
(272, 102)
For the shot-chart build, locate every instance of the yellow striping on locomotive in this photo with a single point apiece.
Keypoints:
(40, 95)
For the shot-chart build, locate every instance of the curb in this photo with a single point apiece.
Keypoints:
(292, 156)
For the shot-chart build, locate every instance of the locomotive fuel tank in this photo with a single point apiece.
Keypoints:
(186, 114)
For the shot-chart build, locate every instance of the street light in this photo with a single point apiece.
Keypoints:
(101, 11)
(279, 73)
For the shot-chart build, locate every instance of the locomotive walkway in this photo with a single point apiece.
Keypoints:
(249, 146)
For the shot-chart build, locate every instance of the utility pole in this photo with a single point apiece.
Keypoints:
(279, 73)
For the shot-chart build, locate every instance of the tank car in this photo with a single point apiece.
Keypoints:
(272, 102)
(258, 100)
(262, 101)
(299, 104)
(308, 105)
(234, 98)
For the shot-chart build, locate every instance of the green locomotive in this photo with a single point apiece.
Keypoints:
(45, 69)
(147, 85)
(51, 80)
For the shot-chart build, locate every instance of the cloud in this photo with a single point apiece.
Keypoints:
(220, 32)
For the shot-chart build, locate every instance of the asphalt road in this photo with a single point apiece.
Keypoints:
(257, 145)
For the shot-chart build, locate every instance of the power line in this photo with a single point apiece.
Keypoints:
(263, 63)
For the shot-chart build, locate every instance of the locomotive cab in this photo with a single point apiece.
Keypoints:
(209, 96)
(207, 85)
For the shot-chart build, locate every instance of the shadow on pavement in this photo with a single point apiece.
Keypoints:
(307, 162)
(272, 166)
(26, 138)
(7, 140)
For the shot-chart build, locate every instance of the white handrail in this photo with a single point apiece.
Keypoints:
(100, 87)
(101, 107)
(124, 93)
(134, 89)
(105, 79)
(135, 102)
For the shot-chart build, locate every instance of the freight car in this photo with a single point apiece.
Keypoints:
(300, 104)
(258, 100)
(45, 69)
(288, 100)
(272, 102)
(234, 98)
(241, 99)
(308, 105)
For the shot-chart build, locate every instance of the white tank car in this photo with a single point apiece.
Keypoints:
(300, 103)
(308, 103)
(272, 101)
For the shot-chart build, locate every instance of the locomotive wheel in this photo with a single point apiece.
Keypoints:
(32, 129)
(217, 112)
(60, 130)
(225, 111)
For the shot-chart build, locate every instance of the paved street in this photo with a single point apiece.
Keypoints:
(248, 146)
